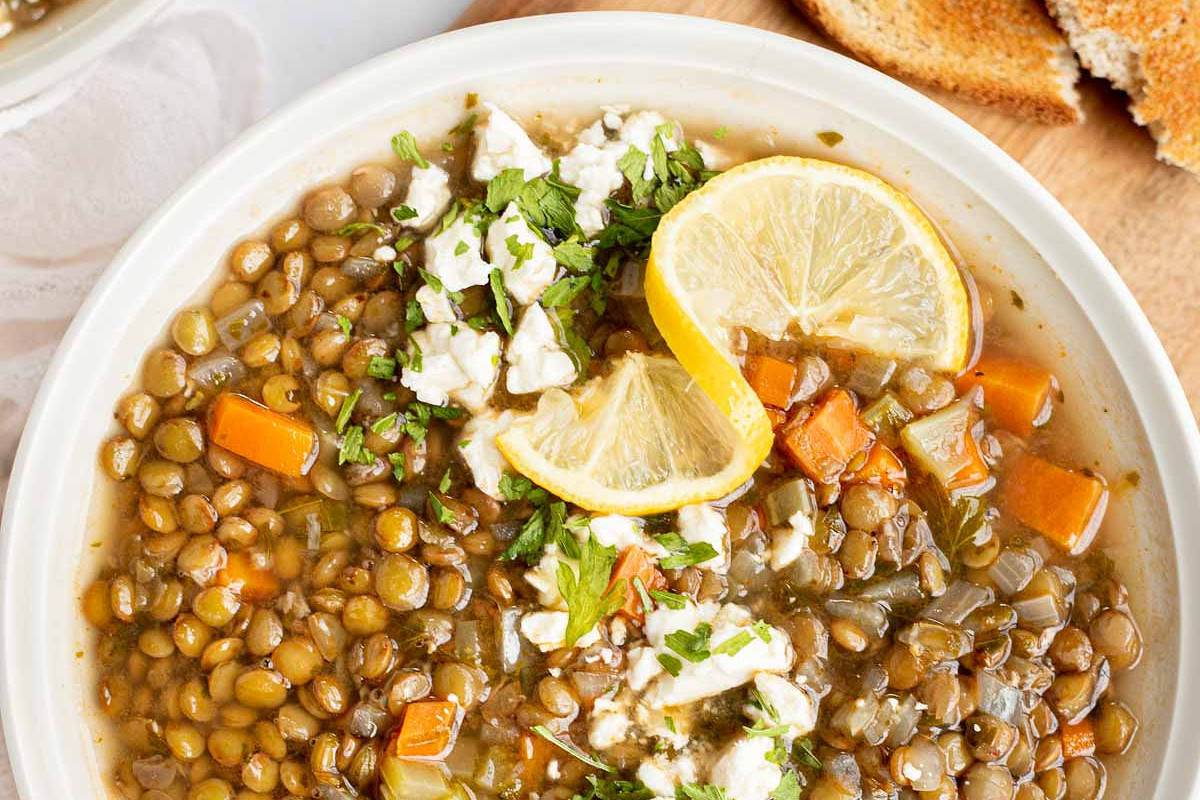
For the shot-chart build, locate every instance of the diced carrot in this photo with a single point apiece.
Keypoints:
(635, 562)
(1078, 739)
(771, 379)
(1061, 504)
(259, 434)
(824, 443)
(254, 582)
(776, 416)
(535, 753)
(881, 467)
(1014, 392)
(427, 731)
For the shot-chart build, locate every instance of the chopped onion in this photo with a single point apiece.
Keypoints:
(747, 572)
(243, 324)
(1013, 570)
(934, 641)
(630, 281)
(998, 698)
(591, 685)
(217, 371)
(942, 443)
(361, 268)
(957, 603)
(1040, 611)
(903, 587)
(908, 715)
(842, 769)
(509, 639)
(853, 716)
(468, 641)
(869, 616)
(155, 772)
(870, 375)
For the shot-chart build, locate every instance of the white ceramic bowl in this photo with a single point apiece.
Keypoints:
(35, 60)
(1123, 396)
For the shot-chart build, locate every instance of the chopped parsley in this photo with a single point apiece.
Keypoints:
(345, 324)
(770, 733)
(671, 664)
(464, 127)
(573, 255)
(520, 252)
(570, 749)
(606, 789)
(440, 512)
(691, 645)
(802, 750)
(696, 791)
(562, 292)
(734, 644)
(348, 404)
(402, 212)
(403, 243)
(588, 595)
(356, 227)
(683, 553)
(444, 483)
(414, 315)
(671, 600)
(545, 525)
(503, 313)
(762, 630)
(404, 144)
(766, 706)
(549, 204)
(503, 189)
(513, 486)
(416, 361)
(633, 167)
(352, 450)
(788, 788)
(647, 606)
(461, 248)
(384, 424)
(382, 367)
(721, 132)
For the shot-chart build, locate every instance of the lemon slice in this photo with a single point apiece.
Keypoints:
(643, 439)
(789, 245)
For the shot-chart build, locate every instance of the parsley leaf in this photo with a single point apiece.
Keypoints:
(671, 664)
(414, 315)
(721, 132)
(503, 312)
(520, 252)
(382, 367)
(347, 409)
(683, 553)
(734, 644)
(567, 747)
(444, 483)
(345, 324)
(954, 521)
(588, 596)
(397, 462)
(696, 791)
(633, 167)
(548, 205)
(647, 606)
(403, 243)
(658, 157)
(514, 486)
(402, 212)
(762, 630)
(606, 789)
(562, 292)
(574, 256)
(629, 225)
(504, 188)
(464, 127)
(404, 144)
(530, 540)
(671, 600)
(355, 227)
(416, 361)
(440, 512)
(803, 752)
(461, 248)
(788, 788)
(384, 424)
(351, 450)
(692, 646)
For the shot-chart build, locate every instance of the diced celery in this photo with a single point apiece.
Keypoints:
(886, 416)
(785, 501)
(414, 780)
(942, 444)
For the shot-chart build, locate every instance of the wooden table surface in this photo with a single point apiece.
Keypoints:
(1143, 214)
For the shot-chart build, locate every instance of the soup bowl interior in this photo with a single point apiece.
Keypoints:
(1123, 403)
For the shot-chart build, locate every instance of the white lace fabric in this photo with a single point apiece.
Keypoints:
(83, 164)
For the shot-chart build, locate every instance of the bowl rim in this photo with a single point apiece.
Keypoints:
(1141, 362)
(73, 48)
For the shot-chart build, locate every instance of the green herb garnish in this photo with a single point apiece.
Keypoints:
(345, 324)
(570, 749)
(562, 292)
(404, 144)
(734, 644)
(347, 409)
(503, 313)
(671, 600)
(671, 664)
(588, 596)
(503, 189)
(355, 227)
(691, 645)
(382, 367)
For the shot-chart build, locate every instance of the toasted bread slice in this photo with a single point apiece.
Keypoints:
(1006, 53)
(1150, 49)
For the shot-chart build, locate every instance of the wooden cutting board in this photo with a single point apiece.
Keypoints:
(1144, 214)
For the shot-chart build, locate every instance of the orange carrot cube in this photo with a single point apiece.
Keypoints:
(634, 562)
(823, 444)
(256, 433)
(249, 575)
(1079, 739)
(427, 731)
(771, 378)
(1061, 504)
(881, 467)
(1014, 392)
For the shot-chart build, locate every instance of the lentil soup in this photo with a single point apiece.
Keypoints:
(327, 581)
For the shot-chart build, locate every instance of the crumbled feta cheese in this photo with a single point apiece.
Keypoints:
(714, 157)
(527, 281)
(639, 130)
(795, 707)
(614, 530)
(428, 195)
(591, 166)
(453, 256)
(703, 523)
(652, 719)
(456, 362)
(661, 774)
(543, 577)
(500, 144)
(477, 443)
(384, 253)
(547, 630)
(720, 672)
(789, 541)
(435, 305)
(618, 631)
(553, 772)
(610, 720)
(612, 116)
(743, 771)
(536, 361)
(641, 668)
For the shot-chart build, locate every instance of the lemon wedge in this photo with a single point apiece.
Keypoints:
(786, 246)
(643, 439)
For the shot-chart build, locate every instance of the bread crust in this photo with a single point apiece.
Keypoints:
(1003, 53)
